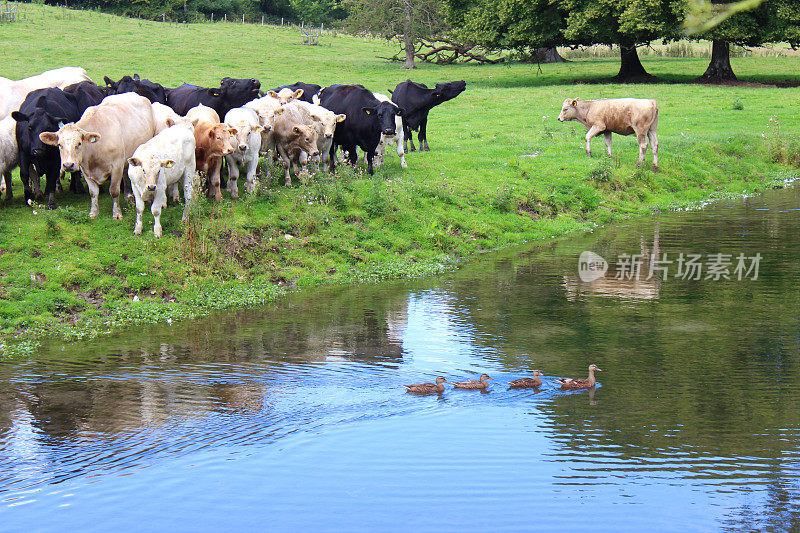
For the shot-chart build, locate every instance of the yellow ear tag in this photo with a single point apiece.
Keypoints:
(93, 140)
(169, 165)
(368, 112)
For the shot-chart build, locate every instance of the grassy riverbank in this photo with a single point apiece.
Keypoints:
(502, 171)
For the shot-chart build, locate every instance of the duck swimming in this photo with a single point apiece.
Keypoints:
(427, 388)
(570, 383)
(527, 383)
(473, 384)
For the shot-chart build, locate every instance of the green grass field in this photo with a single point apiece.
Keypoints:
(502, 171)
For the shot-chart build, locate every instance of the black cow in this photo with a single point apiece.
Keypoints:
(416, 100)
(86, 94)
(155, 92)
(367, 118)
(43, 110)
(230, 94)
(309, 90)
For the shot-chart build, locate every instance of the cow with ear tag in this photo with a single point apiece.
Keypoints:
(213, 141)
(246, 144)
(43, 111)
(101, 142)
(231, 93)
(164, 162)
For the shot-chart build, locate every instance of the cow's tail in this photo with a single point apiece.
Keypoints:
(654, 125)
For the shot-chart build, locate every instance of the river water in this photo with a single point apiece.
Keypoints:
(294, 418)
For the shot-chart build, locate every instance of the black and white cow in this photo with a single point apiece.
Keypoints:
(309, 90)
(86, 94)
(367, 118)
(155, 92)
(417, 100)
(43, 110)
(231, 93)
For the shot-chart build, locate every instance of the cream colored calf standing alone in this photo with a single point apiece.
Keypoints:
(623, 116)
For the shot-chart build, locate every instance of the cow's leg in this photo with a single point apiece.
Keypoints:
(137, 228)
(75, 185)
(233, 176)
(114, 191)
(51, 178)
(214, 178)
(7, 181)
(332, 158)
(173, 192)
(370, 155)
(36, 182)
(24, 176)
(352, 155)
(642, 137)
(423, 136)
(593, 131)
(252, 168)
(608, 139)
(94, 192)
(287, 178)
(410, 136)
(159, 203)
(651, 135)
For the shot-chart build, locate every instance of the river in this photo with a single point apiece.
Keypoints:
(294, 417)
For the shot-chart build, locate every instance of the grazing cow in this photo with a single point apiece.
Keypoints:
(231, 93)
(101, 142)
(398, 139)
(155, 92)
(13, 93)
(284, 96)
(416, 100)
(164, 117)
(160, 164)
(309, 90)
(246, 145)
(295, 140)
(212, 142)
(9, 152)
(44, 110)
(623, 116)
(325, 122)
(367, 118)
(86, 94)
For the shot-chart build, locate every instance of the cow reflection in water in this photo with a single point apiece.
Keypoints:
(635, 288)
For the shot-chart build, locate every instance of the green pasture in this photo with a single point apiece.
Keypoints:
(502, 171)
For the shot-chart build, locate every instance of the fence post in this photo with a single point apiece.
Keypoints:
(225, 18)
(163, 17)
(242, 18)
(212, 17)
(262, 20)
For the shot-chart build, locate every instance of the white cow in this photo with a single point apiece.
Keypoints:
(13, 93)
(325, 122)
(101, 142)
(164, 116)
(266, 107)
(160, 164)
(246, 145)
(286, 95)
(9, 153)
(398, 138)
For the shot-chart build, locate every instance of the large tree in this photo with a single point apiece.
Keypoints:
(406, 20)
(625, 23)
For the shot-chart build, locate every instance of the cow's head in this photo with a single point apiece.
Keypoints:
(72, 143)
(111, 84)
(447, 91)
(327, 123)
(306, 137)
(285, 95)
(220, 139)
(148, 172)
(241, 139)
(30, 126)
(569, 111)
(239, 91)
(384, 113)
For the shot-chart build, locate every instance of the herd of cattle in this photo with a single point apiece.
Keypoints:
(61, 121)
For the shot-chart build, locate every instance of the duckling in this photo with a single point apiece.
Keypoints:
(526, 383)
(427, 388)
(570, 383)
(473, 384)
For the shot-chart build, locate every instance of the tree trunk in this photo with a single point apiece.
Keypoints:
(548, 55)
(408, 38)
(719, 69)
(631, 68)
